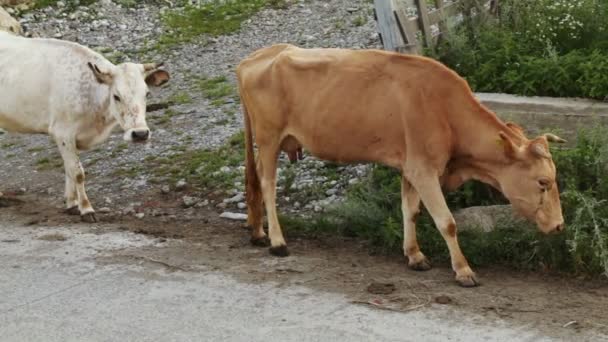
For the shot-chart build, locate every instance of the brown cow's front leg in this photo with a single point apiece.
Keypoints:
(410, 206)
(75, 173)
(430, 192)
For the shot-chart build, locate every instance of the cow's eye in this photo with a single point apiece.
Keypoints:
(117, 98)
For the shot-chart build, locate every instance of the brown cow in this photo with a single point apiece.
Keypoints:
(408, 112)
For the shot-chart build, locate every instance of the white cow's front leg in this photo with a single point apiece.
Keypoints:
(75, 178)
(71, 197)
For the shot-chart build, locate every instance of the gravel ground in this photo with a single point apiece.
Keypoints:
(124, 33)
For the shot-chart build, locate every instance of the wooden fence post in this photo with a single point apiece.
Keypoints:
(387, 25)
(423, 17)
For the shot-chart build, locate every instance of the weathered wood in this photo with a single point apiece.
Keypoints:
(407, 30)
(423, 18)
(439, 16)
(387, 25)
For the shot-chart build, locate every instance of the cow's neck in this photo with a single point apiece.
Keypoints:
(480, 152)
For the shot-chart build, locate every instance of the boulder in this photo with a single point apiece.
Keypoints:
(8, 23)
(488, 218)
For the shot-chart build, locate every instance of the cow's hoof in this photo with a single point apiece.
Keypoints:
(260, 242)
(421, 265)
(469, 280)
(89, 218)
(73, 210)
(280, 251)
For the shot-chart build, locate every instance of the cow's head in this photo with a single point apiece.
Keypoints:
(128, 84)
(528, 180)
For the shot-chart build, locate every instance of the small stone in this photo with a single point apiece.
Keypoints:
(140, 215)
(104, 210)
(331, 192)
(225, 169)
(296, 204)
(443, 299)
(58, 35)
(353, 181)
(242, 205)
(221, 205)
(181, 185)
(235, 199)
(189, 201)
(317, 209)
(234, 216)
(165, 189)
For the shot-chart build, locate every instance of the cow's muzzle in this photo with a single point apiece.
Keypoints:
(142, 135)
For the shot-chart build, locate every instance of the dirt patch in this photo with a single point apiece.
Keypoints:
(6, 201)
(344, 266)
(53, 237)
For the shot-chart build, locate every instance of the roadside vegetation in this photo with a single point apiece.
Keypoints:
(372, 212)
(533, 47)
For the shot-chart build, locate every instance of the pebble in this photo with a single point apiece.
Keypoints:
(242, 205)
(104, 210)
(165, 189)
(189, 201)
(235, 199)
(140, 215)
(234, 216)
(181, 185)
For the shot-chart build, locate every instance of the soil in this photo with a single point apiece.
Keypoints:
(557, 306)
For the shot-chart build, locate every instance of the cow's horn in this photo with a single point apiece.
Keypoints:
(554, 138)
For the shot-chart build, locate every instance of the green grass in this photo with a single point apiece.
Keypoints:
(372, 212)
(202, 168)
(214, 18)
(217, 89)
(180, 98)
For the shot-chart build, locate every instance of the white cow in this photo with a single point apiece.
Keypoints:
(76, 96)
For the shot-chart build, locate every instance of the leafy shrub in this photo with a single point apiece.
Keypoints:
(536, 47)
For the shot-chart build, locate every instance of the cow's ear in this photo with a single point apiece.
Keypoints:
(102, 76)
(511, 150)
(157, 78)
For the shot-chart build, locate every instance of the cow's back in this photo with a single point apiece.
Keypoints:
(43, 77)
(349, 105)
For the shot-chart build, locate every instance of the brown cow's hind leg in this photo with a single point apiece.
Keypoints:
(430, 192)
(268, 158)
(255, 210)
(410, 206)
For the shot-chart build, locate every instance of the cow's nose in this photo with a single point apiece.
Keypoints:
(140, 135)
(559, 227)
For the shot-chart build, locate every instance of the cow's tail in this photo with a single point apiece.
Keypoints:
(255, 210)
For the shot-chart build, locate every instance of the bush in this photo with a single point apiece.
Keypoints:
(372, 211)
(536, 47)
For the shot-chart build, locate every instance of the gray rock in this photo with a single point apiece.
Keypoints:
(235, 199)
(242, 205)
(181, 185)
(234, 216)
(189, 201)
(140, 215)
(104, 210)
(165, 189)
(487, 218)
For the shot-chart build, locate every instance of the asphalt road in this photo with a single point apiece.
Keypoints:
(60, 291)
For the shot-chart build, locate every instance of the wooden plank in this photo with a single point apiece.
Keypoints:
(387, 25)
(441, 15)
(423, 18)
(408, 33)
(443, 27)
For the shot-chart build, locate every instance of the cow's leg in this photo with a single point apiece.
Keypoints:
(71, 197)
(75, 173)
(430, 192)
(255, 209)
(410, 206)
(268, 156)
